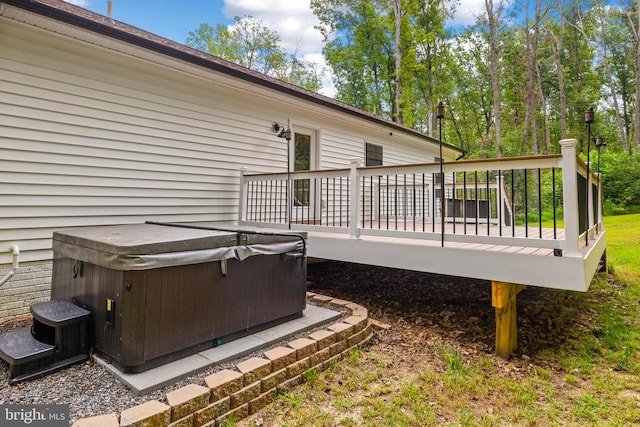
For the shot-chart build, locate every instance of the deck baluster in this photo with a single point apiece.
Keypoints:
(454, 200)
(464, 200)
(488, 205)
(433, 206)
(477, 199)
(499, 202)
(553, 196)
(513, 204)
(539, 203)
(526, 206)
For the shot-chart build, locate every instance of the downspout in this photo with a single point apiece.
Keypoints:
(15, 251)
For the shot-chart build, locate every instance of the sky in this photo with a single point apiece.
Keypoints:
(292, 19)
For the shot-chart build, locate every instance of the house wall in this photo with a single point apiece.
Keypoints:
(93, 136)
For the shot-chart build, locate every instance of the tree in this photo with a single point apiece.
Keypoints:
(397, 15)
(251, 44)
(636, 116)
(494, 16)
(604, 55)
(359, 48)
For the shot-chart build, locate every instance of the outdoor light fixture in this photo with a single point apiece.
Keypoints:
(282, 131)
(599, 144)
(440, 116)
(440, 110)
(589, 116)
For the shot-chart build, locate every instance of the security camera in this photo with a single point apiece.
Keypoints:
(276, 127)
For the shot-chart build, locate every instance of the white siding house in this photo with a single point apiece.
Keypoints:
(102, 123)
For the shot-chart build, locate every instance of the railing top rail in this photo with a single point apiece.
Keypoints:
(582, 169)
(332, 172)
(503, 163)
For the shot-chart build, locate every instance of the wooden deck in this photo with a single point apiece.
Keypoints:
(526, 265)
(393, 217)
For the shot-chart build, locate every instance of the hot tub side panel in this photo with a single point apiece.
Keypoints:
(274, 285)
(90, 286)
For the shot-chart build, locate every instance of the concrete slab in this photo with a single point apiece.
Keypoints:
(153, 379)
(234, 349)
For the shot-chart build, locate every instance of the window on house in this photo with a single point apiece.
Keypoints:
(438, 177)
(373, 155)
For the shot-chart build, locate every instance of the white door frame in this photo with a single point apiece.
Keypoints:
(299, 213)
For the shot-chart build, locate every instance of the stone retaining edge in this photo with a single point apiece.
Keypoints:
(236, 394)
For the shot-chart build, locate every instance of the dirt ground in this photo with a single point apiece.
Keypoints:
(428, 310)
(457, 309)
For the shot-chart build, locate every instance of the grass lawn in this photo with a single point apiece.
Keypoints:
(585, 369)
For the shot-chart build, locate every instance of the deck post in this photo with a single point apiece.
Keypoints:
(591, 213)
(354, 201)
(242, 205)
(599, 206)
(570, 196)
(503, 298)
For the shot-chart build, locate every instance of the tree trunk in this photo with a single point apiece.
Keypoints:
(456, 127)
(559, 40)
(545, 115)
(398, 21)
(376, 85)
(494, 70)
(531, 46)
(609, 75)
(636, 114)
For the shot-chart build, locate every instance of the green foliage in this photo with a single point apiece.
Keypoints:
(620, 179)
(584, 58)
(251, 44)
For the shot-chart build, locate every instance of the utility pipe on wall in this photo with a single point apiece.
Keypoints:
(15, 251)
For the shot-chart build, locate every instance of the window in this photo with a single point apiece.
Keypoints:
(373, 155)
(438, 177)
(301, 162)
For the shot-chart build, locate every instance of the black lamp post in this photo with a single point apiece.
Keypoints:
(287, 136)
(588, 119)
(440, 116)
(599, 144)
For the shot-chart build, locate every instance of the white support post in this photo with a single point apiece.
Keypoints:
(570, 196)
(590, 202)
(354, 202)
(600, 204)
(242, 205)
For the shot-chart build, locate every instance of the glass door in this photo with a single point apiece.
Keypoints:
(303, 159)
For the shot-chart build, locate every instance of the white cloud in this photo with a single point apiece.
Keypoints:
(81, 3)
(294, 22)
(467, 12)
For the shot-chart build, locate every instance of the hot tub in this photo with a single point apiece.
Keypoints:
(158, 292)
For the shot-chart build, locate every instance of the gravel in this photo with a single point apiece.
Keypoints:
(91, 390)
(418, 305)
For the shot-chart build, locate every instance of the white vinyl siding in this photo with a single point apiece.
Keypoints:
(79, 151)
(89, 136)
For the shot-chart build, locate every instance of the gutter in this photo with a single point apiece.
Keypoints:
(16, 252)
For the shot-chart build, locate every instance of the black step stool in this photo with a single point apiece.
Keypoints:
(58, 338)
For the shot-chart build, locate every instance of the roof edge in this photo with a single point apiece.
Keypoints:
(185, 53)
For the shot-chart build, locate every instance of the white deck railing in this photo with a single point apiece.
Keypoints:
(496, 201)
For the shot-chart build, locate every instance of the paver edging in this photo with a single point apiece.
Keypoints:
(249, 400)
